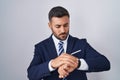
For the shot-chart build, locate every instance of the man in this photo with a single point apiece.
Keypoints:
(63, 57)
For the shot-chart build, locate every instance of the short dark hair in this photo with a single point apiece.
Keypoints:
(58, 11)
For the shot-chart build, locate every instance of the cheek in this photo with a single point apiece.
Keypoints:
(56, 31)
(67, 29)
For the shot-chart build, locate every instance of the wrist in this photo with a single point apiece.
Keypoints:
(50, 67)
(52, 64)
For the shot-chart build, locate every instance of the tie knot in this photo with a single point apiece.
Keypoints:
(61, 43)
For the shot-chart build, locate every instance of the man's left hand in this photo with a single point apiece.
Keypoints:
(65, 69)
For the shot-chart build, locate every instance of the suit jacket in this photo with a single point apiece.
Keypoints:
(45, 51)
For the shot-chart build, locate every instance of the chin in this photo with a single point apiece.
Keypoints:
(63, 38)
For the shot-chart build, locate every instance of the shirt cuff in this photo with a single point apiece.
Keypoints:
(84, 65)
(50, 67)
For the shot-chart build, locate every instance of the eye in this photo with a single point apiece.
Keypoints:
(66, 25)
(57, 26)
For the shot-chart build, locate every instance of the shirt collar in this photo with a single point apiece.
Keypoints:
(56, 41)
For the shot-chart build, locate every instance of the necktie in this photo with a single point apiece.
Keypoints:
(60, 48)
(60, 51)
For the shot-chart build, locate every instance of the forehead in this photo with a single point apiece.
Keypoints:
(61, 20)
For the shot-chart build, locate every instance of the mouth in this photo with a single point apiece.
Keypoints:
(63, 35)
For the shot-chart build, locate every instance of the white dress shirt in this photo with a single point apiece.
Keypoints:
(83, 66)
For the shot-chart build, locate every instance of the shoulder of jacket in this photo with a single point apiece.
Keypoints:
(42, 42)
(81, 40)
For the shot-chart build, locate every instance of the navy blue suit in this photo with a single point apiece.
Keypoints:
(45, 51)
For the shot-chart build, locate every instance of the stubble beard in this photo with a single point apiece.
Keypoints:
(61, 36)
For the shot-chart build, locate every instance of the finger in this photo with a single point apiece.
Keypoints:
(62, 76)
(62, 73)
(68, 56)
(68, 68)
(69, 62)
(64, 59)
(57, 62)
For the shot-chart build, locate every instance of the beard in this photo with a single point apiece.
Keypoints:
(61, 36)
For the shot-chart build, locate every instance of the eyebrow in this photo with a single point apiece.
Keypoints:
(60, 24)
(66, 23)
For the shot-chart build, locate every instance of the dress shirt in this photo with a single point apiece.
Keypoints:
(56, 41)
(83, 66)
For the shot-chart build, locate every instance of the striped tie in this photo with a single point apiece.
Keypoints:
(61, 49)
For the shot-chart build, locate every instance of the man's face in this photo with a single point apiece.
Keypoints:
(60, 27)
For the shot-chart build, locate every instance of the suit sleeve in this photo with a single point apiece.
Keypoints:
(95, 60)
(38, 68)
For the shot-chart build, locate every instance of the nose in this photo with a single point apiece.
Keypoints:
(62, 29)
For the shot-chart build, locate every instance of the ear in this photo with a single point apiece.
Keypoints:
(49, 24)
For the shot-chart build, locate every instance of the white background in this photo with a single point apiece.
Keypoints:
(23, 23)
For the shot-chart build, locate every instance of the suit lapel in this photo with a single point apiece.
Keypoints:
(52, 53)
(70, 44)
(51, 47)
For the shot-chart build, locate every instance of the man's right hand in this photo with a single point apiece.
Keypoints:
(64, 59)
